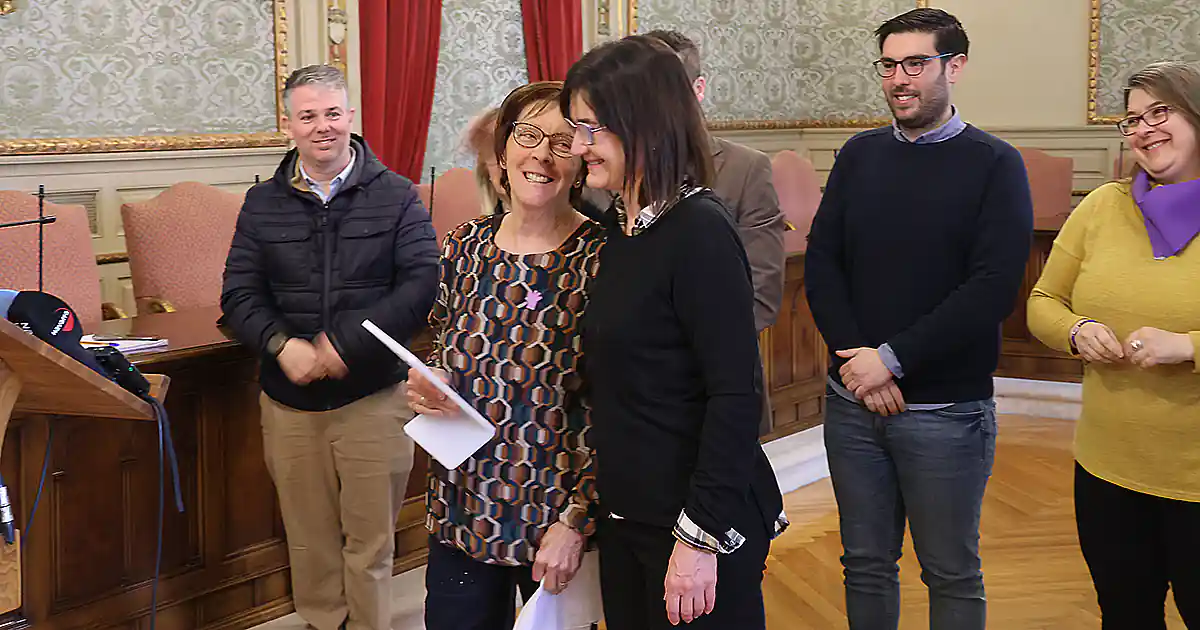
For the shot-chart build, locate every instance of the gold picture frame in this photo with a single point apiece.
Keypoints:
(777, 125)
(1094, 117)
(63, 146)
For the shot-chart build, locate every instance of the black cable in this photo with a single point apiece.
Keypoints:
(166, 455)
(41, 483)
(161, 511)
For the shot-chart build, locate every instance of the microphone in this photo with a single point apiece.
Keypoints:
(6, 516)
(50, 319)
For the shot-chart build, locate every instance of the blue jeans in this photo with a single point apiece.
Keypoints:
(930, 467)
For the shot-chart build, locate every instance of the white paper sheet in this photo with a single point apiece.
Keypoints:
(448, 439)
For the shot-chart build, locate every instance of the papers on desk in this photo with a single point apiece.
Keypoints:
(448, 439)
(126, 346)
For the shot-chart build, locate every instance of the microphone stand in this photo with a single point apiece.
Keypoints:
(41, 222)
(432, 183)
(7, 530)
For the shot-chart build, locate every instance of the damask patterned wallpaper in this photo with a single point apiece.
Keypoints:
(783, 59)
(91, 68)
(1134, 33)
(481, 60)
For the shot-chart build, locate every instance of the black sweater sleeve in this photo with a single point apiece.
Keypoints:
(1002, 240)
(825, 275)
(714, 301)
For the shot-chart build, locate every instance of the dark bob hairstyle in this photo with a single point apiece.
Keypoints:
(640, 91)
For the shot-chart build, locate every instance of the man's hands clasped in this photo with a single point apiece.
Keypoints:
(866, 376)
(305, 362)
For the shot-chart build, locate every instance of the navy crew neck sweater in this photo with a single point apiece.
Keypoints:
(922, 247)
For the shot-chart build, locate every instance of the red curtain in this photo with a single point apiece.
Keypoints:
(399, 65)
(553, 37)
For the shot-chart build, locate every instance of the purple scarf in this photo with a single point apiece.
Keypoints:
(1172, 213)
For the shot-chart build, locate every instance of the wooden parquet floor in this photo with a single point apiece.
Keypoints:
(1035, 574)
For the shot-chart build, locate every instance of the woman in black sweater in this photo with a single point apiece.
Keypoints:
(671, 354)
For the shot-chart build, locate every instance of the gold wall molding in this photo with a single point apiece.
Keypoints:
(7, 6)
(338, 27)
(1093, 116)
(41, 146)
(808, 123)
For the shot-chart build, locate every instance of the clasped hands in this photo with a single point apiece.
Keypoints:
(1145, 347)
(304, 362)
(866, 376)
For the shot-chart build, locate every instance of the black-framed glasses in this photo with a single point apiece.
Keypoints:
(912, 66)
(530, 136)
(1153, 117)
(588, 131)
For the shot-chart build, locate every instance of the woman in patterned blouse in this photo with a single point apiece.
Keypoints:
(512, 290)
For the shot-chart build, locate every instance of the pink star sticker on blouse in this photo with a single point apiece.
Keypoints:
(532, 298)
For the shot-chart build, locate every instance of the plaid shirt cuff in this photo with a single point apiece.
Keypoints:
(692, 535)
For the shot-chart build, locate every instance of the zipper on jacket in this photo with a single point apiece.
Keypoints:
(328, 245)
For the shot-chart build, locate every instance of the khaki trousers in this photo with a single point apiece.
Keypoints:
(341, 477)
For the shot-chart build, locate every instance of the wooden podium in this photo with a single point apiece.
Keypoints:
(36, 377)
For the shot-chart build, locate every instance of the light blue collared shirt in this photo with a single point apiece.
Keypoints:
(951, 128)
(333, 185)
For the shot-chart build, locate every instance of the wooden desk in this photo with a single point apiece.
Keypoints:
(1021, 354)
(91, 547)
(90, 555)
(795, 359)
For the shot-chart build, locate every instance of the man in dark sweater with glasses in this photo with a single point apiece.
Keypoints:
(915, 258)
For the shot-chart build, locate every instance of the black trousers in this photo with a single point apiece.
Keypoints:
(1136, 545)
(463, 593)
(633, 565)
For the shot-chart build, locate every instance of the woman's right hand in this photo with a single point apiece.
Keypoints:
(1096, 343)
(425, 398)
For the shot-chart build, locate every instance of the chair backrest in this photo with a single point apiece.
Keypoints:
(69, 269)
(178, 242)
(799, 193)
(423, 192)
(455, 200)
(1050, 183)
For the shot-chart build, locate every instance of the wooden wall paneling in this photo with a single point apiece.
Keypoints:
(795, 358)
(1022, 355)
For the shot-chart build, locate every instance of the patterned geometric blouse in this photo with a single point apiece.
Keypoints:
(507, 331)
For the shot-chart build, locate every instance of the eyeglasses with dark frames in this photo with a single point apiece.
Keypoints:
(912, 66)
(588, 131)
(1153, 117)
(530, 136)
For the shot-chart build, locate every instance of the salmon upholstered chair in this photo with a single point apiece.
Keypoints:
(423, 192)
(177, 243)
(1050, 182)
(69, 269)
(799, 194)
(455, 200)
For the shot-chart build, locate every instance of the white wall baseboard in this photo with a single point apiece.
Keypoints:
(1045, 399)
(798, 459)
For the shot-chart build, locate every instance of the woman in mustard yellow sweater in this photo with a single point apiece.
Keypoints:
(1122, 290)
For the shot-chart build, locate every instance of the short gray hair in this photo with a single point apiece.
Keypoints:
(321, 75)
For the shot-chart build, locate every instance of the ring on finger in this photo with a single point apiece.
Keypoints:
(1136, 344)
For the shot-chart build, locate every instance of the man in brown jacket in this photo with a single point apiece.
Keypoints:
(743, 182)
